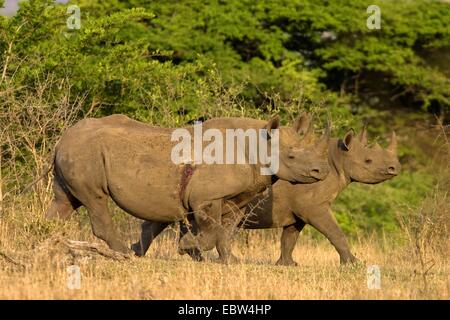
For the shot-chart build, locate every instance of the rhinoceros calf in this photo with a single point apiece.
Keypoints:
(291, 206)
(131, 162)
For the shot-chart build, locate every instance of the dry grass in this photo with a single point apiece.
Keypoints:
(163, 274)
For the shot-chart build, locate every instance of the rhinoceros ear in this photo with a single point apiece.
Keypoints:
(348, 139)
(302, 125)
(272, 124)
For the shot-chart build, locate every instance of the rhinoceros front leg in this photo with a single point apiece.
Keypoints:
(194, 253)
(230, 223)
(149, 231)
(323, 220)
(207, 216)
(211, 232)
(289, 238)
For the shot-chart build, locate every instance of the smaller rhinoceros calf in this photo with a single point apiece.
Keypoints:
(291, 206)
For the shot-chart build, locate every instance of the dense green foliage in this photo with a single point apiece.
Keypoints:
(316, 51)
(170, 62)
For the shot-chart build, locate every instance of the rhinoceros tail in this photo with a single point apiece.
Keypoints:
(40, 177)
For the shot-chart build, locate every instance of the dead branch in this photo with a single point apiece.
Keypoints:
(78, 247)
(11, 260)
(64, 249)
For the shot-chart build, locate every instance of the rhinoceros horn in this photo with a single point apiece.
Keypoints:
(392, 147)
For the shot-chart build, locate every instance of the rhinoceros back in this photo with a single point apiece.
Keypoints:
(125, 159)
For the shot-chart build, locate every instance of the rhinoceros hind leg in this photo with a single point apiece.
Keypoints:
(149, 231)
(289, 238)
(350, 259)
(63, 204)
(102, 225)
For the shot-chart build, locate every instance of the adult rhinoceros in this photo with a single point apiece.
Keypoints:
(132, 163)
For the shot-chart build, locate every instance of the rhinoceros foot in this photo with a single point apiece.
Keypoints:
(351, 261)
(118, 246)
(200, 242)
(195, 254)
(286, 262)
(138, 249)
(230, 259)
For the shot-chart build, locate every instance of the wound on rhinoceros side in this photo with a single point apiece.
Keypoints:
(187, 170)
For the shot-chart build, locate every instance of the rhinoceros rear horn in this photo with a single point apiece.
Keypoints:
(272, 124)
(392, 147)
(303, 125)
(363, 135)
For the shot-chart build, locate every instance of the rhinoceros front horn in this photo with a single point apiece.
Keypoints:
(392, 147)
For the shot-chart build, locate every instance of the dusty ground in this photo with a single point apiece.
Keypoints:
(163, 274)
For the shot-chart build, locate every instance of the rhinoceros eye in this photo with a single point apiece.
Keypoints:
(368, 161)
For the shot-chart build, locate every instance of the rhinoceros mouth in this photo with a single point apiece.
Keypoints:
(388, 174)
(306, 179)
